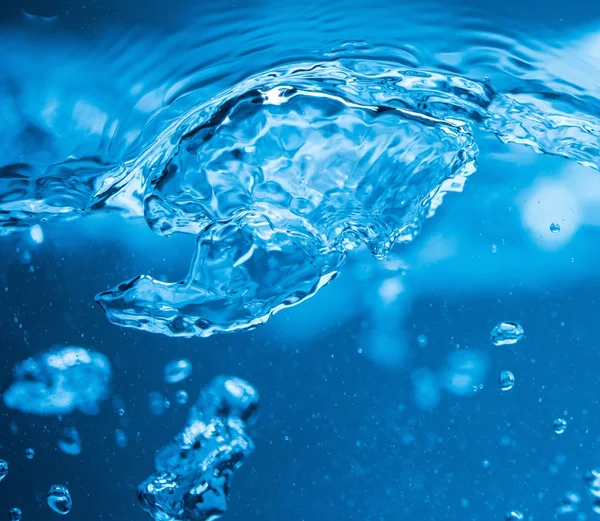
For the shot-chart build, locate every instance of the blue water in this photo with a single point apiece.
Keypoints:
(176, 180)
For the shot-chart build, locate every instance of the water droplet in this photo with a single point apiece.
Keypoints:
(29, 453)
(156, 403)
(507, 381)
(70, 442)
(560, 425)
(14, 514)
(506, 333)
(422, 340)
(59, 499)
(568, 503)
(177, 370)
(513, 515)
(120, 438)
(3, 469)
(486, 463)
(555, 227)
(181, 397)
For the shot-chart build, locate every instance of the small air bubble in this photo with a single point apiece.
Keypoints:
(506, 333)
(555, 227)
(507, 381)
(181, 397)
(59, 499)
(560, 425)
(177, 370)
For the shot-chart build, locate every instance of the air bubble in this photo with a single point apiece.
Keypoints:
(29, 453)
(568, 504)
(3, 469)
(555, 227)
(59, 499)
(177, 370)
(514, 515)
(181, 397)
(560, 425)
(506, 333)
(506, 380)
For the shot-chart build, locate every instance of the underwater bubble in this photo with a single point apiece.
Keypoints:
(3, 469)
(506, 380)
(177, 370)
(37, 234)
(59, 499)
(596, 506)
(15, 514)
(506, 333)
(70, 441)
(181, 397)
(592, 480)
(560, 425)
(226, 397)
(29, 453)
(59, 381)
(513, 515)
(568, 503)
(157, 403)
(120, 438)
(422, 340)
(555, 227)
(194, 471)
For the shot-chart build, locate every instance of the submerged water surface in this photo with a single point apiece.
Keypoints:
(171, 176)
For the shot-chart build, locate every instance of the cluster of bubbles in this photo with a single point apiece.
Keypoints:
(194, 471)
(59, 381)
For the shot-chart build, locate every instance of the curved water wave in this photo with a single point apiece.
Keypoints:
(286, 172)
(282, 173)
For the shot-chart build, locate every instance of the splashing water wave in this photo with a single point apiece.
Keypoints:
(282, 174)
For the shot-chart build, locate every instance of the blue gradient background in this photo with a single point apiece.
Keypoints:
(343, 432)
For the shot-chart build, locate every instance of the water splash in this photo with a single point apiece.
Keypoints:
(284, 173)
(194, 471)
(60, 381)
